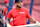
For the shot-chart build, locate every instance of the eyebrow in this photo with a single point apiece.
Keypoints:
(19, 1)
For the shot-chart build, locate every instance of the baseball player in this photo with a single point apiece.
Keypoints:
(19, 14)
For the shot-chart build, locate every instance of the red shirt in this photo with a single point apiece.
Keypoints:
(5, 12)
(19, 15)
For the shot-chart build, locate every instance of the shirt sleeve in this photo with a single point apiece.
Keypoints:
(4, 12)
(28, 14)
(9, 15)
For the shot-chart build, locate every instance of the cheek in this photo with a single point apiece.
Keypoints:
(21, 4)
(7, 4)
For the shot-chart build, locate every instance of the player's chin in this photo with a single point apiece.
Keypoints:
(19, 7)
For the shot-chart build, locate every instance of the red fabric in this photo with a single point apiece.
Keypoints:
(11, 23)
(19, 15)
(5, 12)
(6, 1)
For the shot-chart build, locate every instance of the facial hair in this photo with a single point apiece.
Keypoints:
(18, 6)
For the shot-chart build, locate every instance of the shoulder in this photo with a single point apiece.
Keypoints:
(25, 9)
(5, 9)
(12, 10)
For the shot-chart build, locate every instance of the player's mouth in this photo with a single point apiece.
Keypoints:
(18, 6)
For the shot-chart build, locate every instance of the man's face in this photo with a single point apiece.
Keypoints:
(0, 11)
(19, 4)
(7, 4)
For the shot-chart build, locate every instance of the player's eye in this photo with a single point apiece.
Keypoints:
(18, 2)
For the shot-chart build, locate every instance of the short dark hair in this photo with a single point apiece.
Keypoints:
(18, 1)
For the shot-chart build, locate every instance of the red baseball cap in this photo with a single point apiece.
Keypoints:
(6, 1)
